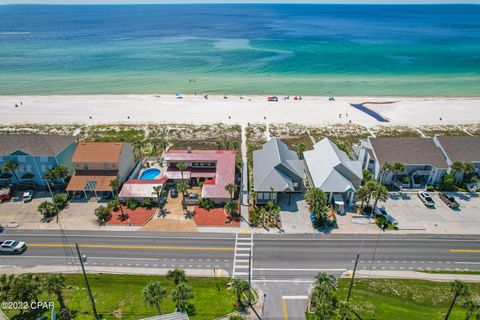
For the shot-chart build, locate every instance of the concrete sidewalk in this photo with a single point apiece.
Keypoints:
(411, 275)
(115, 270)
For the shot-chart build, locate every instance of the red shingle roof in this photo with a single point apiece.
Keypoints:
(225, 168)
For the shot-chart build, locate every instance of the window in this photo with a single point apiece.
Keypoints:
(260, 196)
(85, 166)
(43, 167)
(105, 166)
(43, 159)
(22, 159)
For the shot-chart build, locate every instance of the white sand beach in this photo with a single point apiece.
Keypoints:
(195, 109)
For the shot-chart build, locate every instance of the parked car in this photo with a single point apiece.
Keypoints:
(274, 99)
(449, 200)
(174, 192)
(12, 246)
(27, 196)
(380, 211)
(426, 199)
(193, 196)
(6, 193)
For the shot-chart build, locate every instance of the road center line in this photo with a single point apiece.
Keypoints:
(285, 312)
(465, 250)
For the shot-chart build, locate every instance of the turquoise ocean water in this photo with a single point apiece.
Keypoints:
(250, 49)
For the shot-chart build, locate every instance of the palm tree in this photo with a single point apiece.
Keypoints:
(240, 286)
(153, 294)
(272, 210)
(362, 195)
(457, 166)
(11, 166)
(54, 284)
(114, 185)
(462, 167)
(387, 167)
(371, 186)
(231, 208)
(157, 191)
(231, 188)
(317, 201)
(459, 289)
(380, 193)
(397, 168)
(367, 176)
(182, 166)
(177, 276)
(181, 295)
(473, 310)
(323, 278)
(138, 144)
(183, 187)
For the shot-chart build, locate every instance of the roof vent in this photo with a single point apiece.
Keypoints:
(189, 149)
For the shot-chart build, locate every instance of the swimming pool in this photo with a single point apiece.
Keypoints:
(149, 174)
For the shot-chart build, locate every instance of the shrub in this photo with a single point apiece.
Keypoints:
(132, 204)
(147, 203)
(113, 204)
(60, 200)
(103, 214)
(381, 222)
(430, 188)
(205, 203)
(448, 183)
(255, 216)
(236, 317)
(47, 209)
(404, 179)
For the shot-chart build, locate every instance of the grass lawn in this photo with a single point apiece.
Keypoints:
(120, 297)
(400, 299)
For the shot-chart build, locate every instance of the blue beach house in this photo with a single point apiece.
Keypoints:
(34, 155)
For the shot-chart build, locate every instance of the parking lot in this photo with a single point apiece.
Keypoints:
(78, 215)
(413, 216)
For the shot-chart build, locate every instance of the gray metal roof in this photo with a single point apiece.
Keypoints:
(408, 151)
(34, 144)
(461, 148)
(275, 166)
(331, 169)
(170, 316)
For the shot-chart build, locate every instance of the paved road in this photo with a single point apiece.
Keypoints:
(283, 266)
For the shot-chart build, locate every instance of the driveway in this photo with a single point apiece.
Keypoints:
(294, 214)
(414, 217)
(173, 218)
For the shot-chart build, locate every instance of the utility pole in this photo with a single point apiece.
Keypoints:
(92, 301)
(353, 277)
